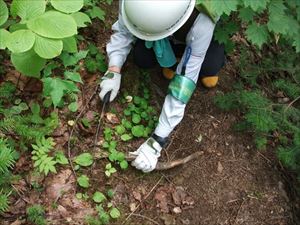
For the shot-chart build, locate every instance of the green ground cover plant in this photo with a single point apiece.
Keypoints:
(266, 95)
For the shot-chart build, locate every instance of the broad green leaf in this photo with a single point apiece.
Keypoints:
(220, 7)
(53, 24)
(246, 14)
(85, 159)
(56, 87)
(24, 63)
(4, 37)
(257, 34)
(3, 12)
(296, 42)
(67, 6)
(114, 213)
(124, 164)
(98, 197)
(81, 19)
(79, 195)
(17, 26)
(138, 131)
(74, 76)
(96, 12)
(61, 158)
(47, 48)
(73, 107)
(72, 60)
(83, 181)
(120, 129)
(256, 4)
(126, 137)
(21, 41)
(27, 9)
(136, 118)
(70, 44)
(278, 20)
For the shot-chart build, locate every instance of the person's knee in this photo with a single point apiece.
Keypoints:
(214, 60)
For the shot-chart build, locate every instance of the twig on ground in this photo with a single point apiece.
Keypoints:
(73, 128)
(139, 205)
(291, 103)
(20, 195)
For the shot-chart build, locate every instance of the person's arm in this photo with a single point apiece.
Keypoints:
(119, 45)
(199, 39)
(172, 113)
(117, 50)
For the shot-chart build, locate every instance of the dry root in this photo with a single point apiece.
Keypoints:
(162, 165)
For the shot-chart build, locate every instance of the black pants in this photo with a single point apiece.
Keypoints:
(213, 62)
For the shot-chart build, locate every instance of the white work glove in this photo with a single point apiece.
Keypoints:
(110, 82)
(147, 155)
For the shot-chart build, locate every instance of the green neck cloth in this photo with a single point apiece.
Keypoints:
(163, 51)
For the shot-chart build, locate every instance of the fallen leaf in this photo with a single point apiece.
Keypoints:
(179, 195)
(161, 197)
(137, 196)
(128, 98)
(90, 115)
(132, 207)
(177, 210)
(112, 118)
(60, 184)
(188, 201)
(71, 123)
(199, 138)
(220, 167)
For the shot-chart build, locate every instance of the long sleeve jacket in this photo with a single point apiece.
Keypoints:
(199, 38)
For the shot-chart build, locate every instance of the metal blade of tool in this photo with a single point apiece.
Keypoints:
(105, 102)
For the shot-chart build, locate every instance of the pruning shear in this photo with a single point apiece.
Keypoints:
(105, 102)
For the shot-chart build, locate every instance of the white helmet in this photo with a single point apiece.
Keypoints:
(153, 20)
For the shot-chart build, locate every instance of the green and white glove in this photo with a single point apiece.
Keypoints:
(147, 155)
(110, 82)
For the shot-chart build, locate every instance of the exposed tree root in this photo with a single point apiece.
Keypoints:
(160, 165)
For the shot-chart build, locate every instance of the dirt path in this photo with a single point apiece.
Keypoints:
(231, 183)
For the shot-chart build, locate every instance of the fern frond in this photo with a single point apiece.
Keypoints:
(290, 89)
(4, 201)
(7, 90)
(6, 157)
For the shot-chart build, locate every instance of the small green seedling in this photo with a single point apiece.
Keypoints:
(109, 170)
(99, 197)
(83, 181)
(84, 159)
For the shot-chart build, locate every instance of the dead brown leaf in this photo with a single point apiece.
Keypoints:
(161, 196)
(220, 167)
(137, 196)
(179, 195)
(112, 118)
(60, 184)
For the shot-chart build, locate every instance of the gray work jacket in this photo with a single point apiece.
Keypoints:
(199, 38)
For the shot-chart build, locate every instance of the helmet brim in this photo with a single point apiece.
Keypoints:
(154, 37)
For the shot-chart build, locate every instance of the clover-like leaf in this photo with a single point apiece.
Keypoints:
(98, 197)
(85, 159)
(83, 181)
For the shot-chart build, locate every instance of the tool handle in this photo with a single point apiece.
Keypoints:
(106, 97)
